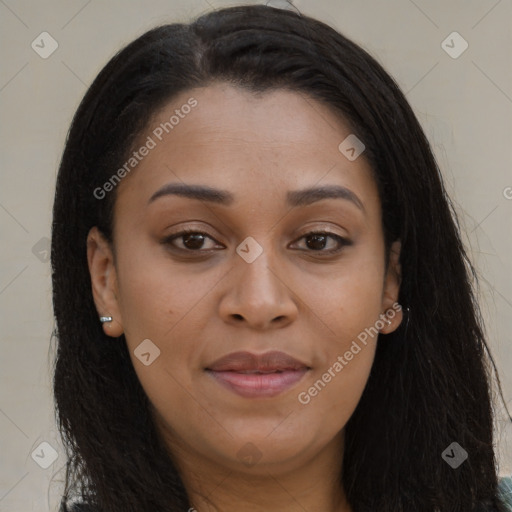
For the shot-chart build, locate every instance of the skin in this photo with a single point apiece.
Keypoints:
(293, 298)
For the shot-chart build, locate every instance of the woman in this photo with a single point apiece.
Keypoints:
(261, 295)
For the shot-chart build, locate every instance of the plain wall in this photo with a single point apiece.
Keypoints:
(464, 104)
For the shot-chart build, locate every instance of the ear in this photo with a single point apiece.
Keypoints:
(391, 310)
(104, 281)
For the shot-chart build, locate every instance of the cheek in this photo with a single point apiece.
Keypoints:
(156, 296)
(162, 304)
(350, 309)
(334, 391)
(345, 304)
(328, 399)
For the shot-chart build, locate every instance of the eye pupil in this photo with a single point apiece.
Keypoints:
(197, 241)
(318, 241)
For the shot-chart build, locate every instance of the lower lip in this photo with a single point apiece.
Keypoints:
(255, 385)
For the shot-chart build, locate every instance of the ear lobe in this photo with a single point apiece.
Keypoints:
(391, 290)
(103, 274)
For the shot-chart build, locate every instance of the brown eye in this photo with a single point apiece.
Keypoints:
(318, 241)
(192, 241)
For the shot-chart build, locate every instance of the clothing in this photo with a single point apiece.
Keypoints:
(505, 488)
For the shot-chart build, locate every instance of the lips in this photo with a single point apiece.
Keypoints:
(252, 375)
(269, 362)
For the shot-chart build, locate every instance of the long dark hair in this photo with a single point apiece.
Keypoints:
(430, 381)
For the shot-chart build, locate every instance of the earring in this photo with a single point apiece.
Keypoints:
(408, 314)
(386, 319)
(104, 319)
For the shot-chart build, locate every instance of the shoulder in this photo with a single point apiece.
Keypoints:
(505, 488)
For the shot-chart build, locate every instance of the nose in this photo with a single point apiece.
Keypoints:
(258, 295)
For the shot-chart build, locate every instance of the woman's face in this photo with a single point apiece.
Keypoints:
(252, 279)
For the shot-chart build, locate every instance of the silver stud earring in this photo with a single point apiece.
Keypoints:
(104, 319)
(385, 319)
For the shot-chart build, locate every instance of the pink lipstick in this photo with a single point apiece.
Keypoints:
(252, 376)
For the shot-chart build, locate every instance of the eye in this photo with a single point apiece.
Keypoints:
(317, 241)
(192, 240)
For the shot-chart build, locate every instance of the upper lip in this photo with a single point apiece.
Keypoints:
(246, 361)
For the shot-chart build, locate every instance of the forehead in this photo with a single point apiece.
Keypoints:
(272, 120)
(236, 139)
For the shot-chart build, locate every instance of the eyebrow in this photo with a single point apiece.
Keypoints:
(302, 197)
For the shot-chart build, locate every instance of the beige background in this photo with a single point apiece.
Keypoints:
(464, 105)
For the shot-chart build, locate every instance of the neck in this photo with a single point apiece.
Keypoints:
(312, 484)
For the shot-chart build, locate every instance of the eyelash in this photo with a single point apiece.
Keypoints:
(343, 242)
